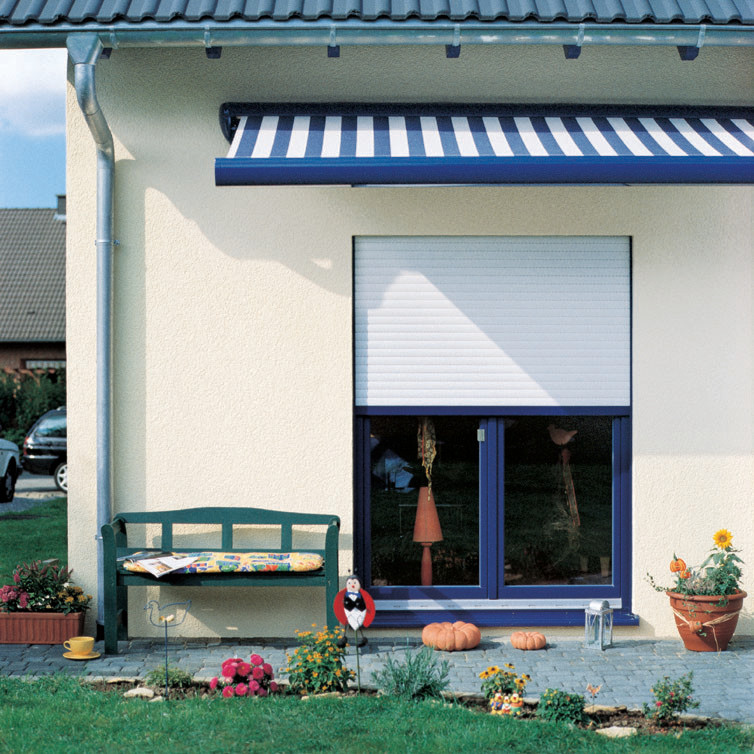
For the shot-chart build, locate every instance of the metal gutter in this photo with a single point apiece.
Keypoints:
(84, 50)
(325, 32)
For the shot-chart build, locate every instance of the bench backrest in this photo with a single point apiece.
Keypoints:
(227, 518)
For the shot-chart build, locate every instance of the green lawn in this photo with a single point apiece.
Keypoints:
(38, 533)
(60, 715)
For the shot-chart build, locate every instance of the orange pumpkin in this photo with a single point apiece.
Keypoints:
(451, 637)
(528, 640)
(677, 565)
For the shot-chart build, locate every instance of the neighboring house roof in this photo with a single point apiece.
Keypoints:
(129, 12)
(32, 276)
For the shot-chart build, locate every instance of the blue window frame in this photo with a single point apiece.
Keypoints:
(488, 593)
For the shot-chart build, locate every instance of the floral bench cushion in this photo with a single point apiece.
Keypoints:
(241, 562)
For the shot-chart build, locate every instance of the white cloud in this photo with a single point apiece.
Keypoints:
(32, 91)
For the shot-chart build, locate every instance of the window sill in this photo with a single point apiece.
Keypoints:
(409, 618)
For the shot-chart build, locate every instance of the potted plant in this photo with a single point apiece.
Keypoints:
(706, 600)
(42, 606)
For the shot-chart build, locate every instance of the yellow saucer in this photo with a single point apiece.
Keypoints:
(73, 656)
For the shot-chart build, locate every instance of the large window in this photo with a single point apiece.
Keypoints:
(492, 426)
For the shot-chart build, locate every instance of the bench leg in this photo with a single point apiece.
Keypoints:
(111, 620)
(331, 589)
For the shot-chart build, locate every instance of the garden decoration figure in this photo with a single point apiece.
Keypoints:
(517, 705)
(162, 616)
(562, 437)
(354, 607)
(496, 704)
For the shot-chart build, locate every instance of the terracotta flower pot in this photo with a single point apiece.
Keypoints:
(39, 628)
(706, 623)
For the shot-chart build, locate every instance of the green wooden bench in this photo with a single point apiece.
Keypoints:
(116, 545)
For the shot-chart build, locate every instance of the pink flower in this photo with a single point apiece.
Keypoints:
(213, 683)
(658, 704)
(228, 671)
(243, 668)
(257, 673)
(23, 600)
(267, 669)
(256, 660)
(262, 692)
(8, 593)
(16, 578)
(228, 692)
(254, 686)
(273, 686)
(241, 689)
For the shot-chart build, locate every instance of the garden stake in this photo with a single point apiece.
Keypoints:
(354, 607)
(164, 620)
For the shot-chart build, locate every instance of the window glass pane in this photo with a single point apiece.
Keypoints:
(54, 426)
(396, 478)
(558, 503)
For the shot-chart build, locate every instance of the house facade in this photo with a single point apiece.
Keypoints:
(364, 278)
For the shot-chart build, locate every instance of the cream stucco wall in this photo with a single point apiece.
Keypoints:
(232, 318)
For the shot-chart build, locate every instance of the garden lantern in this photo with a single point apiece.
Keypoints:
(598, 625)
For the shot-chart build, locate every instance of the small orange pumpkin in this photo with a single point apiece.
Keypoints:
(677, 565)
(451, 637)
(528, 640)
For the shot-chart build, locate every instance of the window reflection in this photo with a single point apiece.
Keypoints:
(401, 455)
(558, 500)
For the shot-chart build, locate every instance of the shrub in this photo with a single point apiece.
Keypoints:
(671, 697)
(421, 676)
(239, 678)
(25, 397)
(497, 681)
(561, 706)
(317, 665)
(177, 678)
(38, 587)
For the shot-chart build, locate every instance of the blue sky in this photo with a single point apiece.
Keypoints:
(32, 127)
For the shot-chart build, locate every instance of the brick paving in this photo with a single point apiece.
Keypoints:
(723, 682)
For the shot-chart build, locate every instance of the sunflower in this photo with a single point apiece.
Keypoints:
(723, 539)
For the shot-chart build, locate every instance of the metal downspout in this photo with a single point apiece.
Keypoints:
(84, 50)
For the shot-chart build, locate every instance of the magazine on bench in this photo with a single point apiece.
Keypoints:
(162, 563)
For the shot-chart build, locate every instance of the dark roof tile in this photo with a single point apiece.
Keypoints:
(51, 12)
(32, 275)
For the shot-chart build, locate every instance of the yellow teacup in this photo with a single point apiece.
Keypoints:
(80, 645)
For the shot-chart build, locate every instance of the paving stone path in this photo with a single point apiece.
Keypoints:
(723, 682)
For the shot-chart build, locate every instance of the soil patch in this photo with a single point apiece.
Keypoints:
(601, 717)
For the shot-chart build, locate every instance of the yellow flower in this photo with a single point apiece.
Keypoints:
(508, 665)
(723, 539)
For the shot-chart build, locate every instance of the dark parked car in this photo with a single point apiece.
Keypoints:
(46, 447)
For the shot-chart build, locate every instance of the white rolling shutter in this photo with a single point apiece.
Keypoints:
(492, 321)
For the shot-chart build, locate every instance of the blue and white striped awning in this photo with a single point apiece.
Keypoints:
(286, 145)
